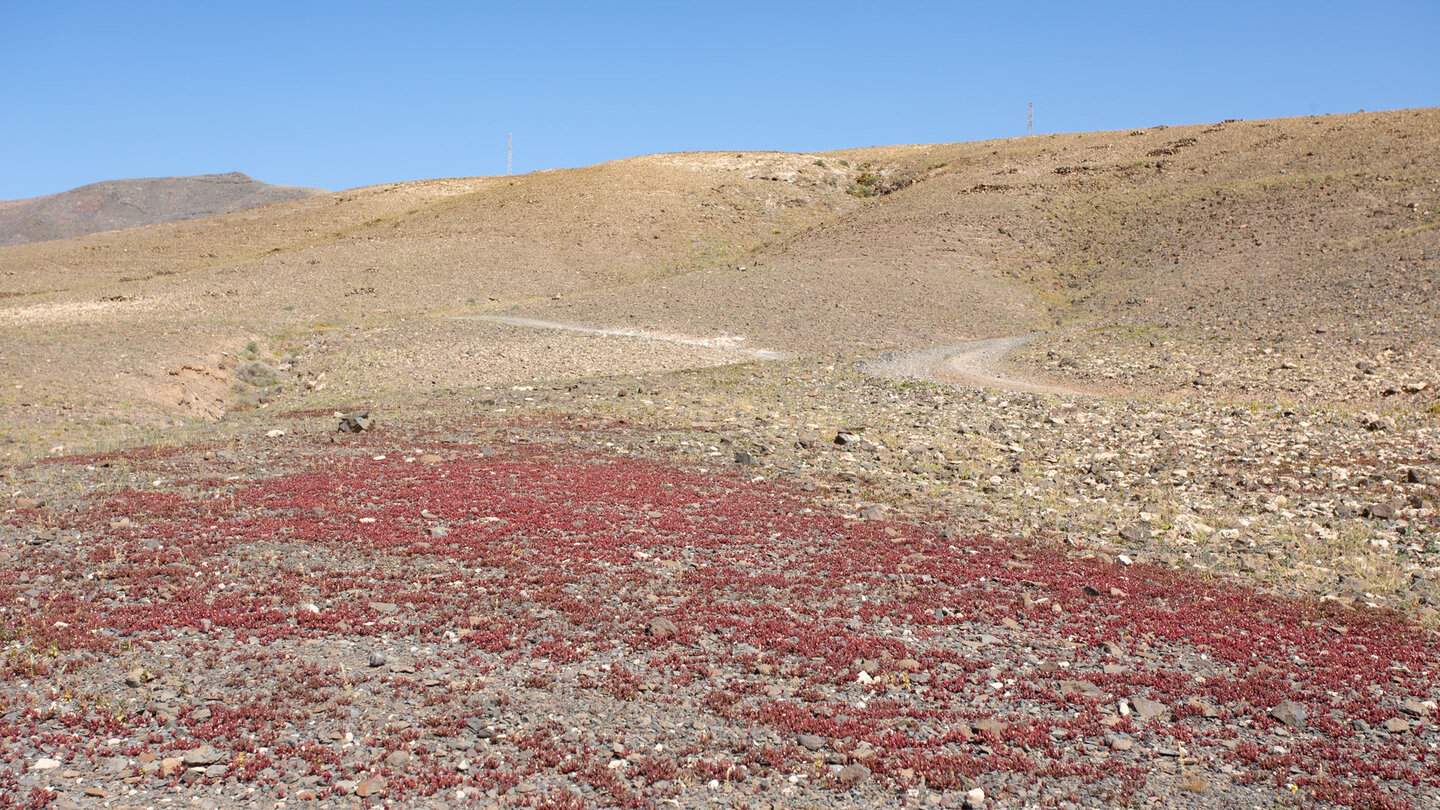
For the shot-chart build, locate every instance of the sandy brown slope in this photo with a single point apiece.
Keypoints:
(116, 204)
(1269, 258)
(1157, 259)
(1236, 229)
(368, 282)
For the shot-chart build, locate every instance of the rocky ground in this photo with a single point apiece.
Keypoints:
(772, 584)
(1321, 501)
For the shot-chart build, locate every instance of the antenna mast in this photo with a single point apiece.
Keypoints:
(1030, 118)
(509, 152)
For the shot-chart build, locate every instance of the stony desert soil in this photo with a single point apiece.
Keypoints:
(1088, 470)
(522, 610)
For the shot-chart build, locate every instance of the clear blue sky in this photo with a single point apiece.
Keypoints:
(344, 94)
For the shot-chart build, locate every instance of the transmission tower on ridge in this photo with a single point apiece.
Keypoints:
(1030, 118)
(509, 152)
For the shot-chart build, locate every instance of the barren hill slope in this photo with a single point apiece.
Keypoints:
(644, 515)
(1284, 226)
(1208, 237)
(116, 204)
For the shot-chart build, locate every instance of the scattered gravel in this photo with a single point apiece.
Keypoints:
(266, 620)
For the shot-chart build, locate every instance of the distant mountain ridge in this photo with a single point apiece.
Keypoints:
(115, 204)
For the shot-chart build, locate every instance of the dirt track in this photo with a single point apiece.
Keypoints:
(976, 364)
(728, 343)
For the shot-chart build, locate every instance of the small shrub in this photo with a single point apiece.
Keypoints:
(870, 184)
(257, 373)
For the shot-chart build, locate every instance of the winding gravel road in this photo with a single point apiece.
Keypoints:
(723, 343)
(974, 364)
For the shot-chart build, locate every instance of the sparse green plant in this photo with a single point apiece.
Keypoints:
(864, 185)
(871, 184)
(257, 373)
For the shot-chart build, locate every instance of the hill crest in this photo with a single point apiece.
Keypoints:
(114, 204)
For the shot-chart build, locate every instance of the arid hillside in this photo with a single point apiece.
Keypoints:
(116, 204)
(1151, 261)
(1097, 470)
